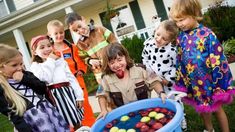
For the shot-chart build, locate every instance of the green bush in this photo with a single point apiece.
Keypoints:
(229, 47)
(221, 19)
(134, 46)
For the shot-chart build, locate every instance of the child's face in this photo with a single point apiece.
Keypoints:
(56, 33)
(186, 23)
(44, 48)
(118, 64)
(14, 65)
(162, 37)
(80, 27)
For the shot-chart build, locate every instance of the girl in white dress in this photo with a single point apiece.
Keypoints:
(64, 91)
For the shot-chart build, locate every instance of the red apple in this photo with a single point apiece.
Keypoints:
(139, 124)
(115, 121)
(131, 114)
(157, 126)
(157, 109)
(120, 74)
(164, 110)
(150, 109)
(163, 120)
(144, 128)
(151, 130)
(151, 122)
(109, 125)
(144, 113)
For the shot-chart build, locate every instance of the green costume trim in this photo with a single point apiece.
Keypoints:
(100, 45)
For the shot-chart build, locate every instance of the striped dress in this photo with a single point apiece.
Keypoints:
(64, 90)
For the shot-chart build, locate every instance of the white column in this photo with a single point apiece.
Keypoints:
(22, 47)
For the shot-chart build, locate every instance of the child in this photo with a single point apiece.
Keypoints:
(66, 94)
(18, 96)
(70, 52)
(202, 69)
(159, 55)
(123, 81)
(91, 39)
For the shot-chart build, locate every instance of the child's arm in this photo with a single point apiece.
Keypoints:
(158, 87)
(74, 83)
(103, 106)
(29, 79)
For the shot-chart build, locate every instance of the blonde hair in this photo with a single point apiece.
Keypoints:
(13, 97)
(183, 8)
(54, 23)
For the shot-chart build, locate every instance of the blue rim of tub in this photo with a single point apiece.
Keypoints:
(174, 124)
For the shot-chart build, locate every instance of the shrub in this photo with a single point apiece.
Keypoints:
(134, 46)
(229, 49)
(221, 19)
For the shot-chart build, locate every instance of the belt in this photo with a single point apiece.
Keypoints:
(59, 85)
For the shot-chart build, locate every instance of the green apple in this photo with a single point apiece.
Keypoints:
(159, 116)
(125, 118)
(131, 130)
(152, 114)
(114, 129)
(121, 130)
(145, 119)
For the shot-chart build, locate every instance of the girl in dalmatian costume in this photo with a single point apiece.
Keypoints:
(159, 57)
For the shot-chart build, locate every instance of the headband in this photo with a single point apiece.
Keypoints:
(36, 39)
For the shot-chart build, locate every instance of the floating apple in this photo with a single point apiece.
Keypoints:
(144, 128)
(114, 129)
(151, 130)
(150, 109)
(145, 119)
(159, 116)
(131, 130)
(109, 125)
(115, 121)
(157, 109)
(157, 126)
(124, 118)
(163, 120)
(164, 110)
(121, 130)
(144, 113)
(131, 114)
(151, 122)
(139, 124)
(152, 114)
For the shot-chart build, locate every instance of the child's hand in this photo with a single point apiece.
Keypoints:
(79, 104)
(163, 96)
(18, 76)
(53, 56)
(102, 114)
(95, 63)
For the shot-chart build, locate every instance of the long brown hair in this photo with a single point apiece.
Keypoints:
(18, 104)
(111, 52)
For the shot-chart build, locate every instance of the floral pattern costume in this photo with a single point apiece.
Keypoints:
(202, 70)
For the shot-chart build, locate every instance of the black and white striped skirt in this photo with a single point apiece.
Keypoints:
(65, 101)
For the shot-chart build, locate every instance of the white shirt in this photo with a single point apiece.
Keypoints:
(56, 71)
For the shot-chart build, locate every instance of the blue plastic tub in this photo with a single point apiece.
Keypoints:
(173, 126)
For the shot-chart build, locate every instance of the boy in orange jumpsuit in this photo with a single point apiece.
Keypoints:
(70, 53)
